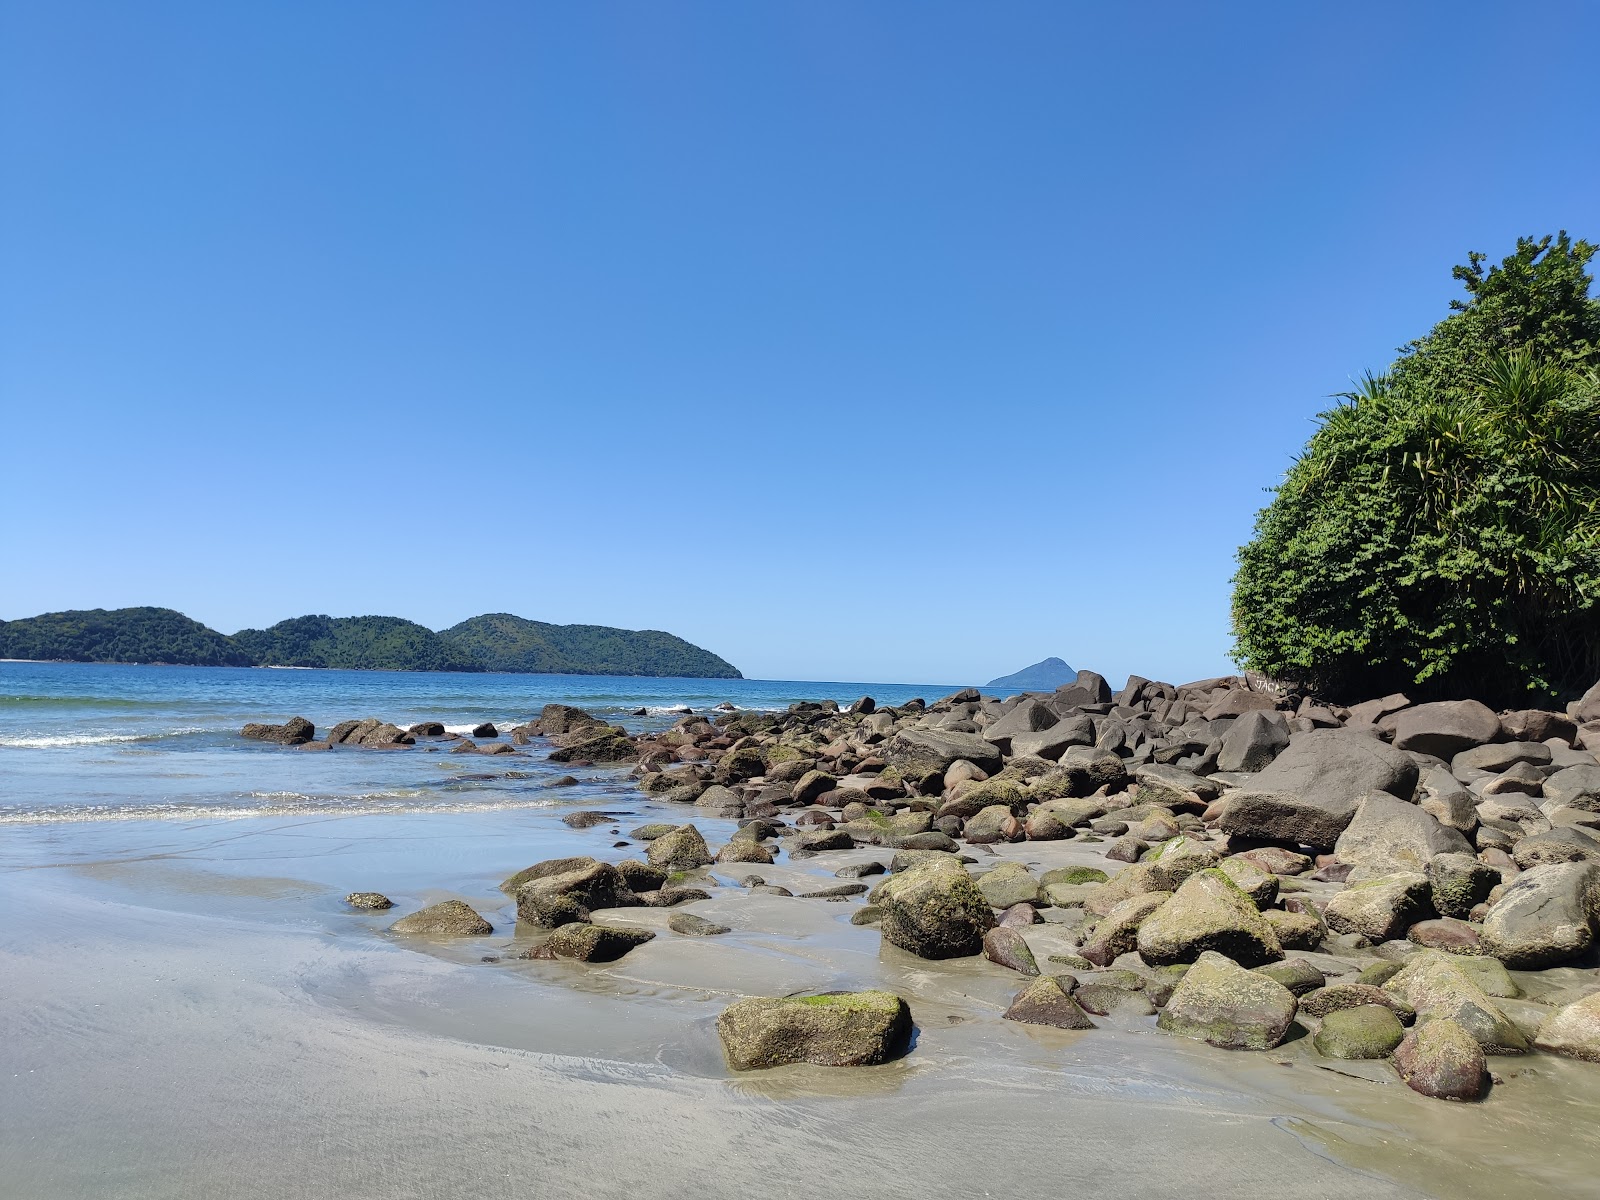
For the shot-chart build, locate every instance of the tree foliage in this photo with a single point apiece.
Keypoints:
(1441, 530)
(132, 635)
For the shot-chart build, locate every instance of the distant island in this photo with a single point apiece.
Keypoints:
(492, 642)
(1044, 676)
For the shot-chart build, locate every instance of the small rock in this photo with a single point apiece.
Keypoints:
(449, 918)
(693, 925)
(1048, 1001)
(368, 900)
(1006, 947)
(595, 943)
(1366, 1031)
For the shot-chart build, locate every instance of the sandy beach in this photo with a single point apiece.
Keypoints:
(196, 1014)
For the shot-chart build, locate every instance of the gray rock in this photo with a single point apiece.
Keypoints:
(1458, 883)
(1497, 756)
(683, 849)
(450, 918)
(1254, 741)
(1573, 1031)
(694, 925)
(919, 754)
(1546, 917)
(1030, 716)
(1438, 989)
(1574, 787)
(1568, 844)
(1008, 948)
(593, 943)
(1388, 835)
(1446, 727)
(1008, 884)
(369, 900)
(565, 896)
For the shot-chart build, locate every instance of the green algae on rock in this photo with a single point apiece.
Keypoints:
(448, 918)
(1220, 1002)
(1365, 1031)
(846, 1030)
(934, 910)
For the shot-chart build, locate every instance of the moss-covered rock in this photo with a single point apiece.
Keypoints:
(1006, 793)
(550, 866)
(1117, 933)
(745, 850)
(1008, 884)
(1007, 947)
(1208, 912)
(683, 849)
(1250, 878)
(934, 910)
(449, 918)
(1439, 989)
(1299, 976)
(1048, 1001)
(1443, 1060)
(652, 831)
(1338, 997)
(849, 1030)
(1072, 876)
(1135, 880)
(1176, 859)
(740, 763)
(369, 900)
(1381, 909)
(1296, 930)
(1220, 1002)
(1366, 1031)
(611, 746)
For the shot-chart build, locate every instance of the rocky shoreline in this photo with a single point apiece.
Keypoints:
(1417, 885)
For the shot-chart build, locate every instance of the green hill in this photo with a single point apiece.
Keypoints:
(352, 644)
(493, 642)
(503, 642)
(133, 635)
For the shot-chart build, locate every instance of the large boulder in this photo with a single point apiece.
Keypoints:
(1459, 883)
(1207, 912)
(1546, 917)
(1030, 716)
(1438, 988)
(1383, 908)
(1587, 707)
(1573, 1031)
(1574, 787)
(1446, 727)
(1309, 793)
(934, 909)
(1366, 1031)
(921, 754)
(563, 897)
(1048, 1001)
(1255, 739)
(449, 918)
(842, 1030)
(609, 745)
(1442, 1060)
(1388, 835)
(1220, 1002)
(1008, 884)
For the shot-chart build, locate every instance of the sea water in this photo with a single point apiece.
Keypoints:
(99, 741)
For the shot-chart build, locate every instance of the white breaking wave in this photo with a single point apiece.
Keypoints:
(50, 741)
(303, 806)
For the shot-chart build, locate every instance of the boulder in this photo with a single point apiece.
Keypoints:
(1567, 844)
(812, 786)
(919, 754)
(1388, 835)
(566, 896)
(486, 730)
(1296, 930)
(594, 943)
(1256, 738)
(550, 866)
(1438, 989)
(1008, 884)
(1538, 725)
(1545, 918)
(1220, 1002)
(609, 746)
(996, 823)
(1030, 716)
(840, 1030)
(1308, 794)
(296, 731)
(1261, 886)
(1277, 860)
(1442, 1060)
(683, 849)
(1446, 727)
(745, 850)
(934, 910)
(449, 918)
(1177, 859)
(1336, 997)
(1048, 1001)
(1499, 756)
(1366, 1031)
(1574, 787)
(1117, 933)
(1458, 883)
(1381, 909)
(1446, 933)
(1573, 1031)
(1587, 707)
(1208, 912)
(368, 900)
(1296, 974)
(1008, 948)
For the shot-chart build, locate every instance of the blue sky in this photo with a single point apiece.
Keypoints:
(883, 341)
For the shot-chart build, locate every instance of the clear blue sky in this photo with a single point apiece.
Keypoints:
(874, 341)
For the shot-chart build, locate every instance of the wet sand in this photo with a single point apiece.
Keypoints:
(194, 1013)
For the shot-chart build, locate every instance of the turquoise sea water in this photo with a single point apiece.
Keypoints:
(93, 741)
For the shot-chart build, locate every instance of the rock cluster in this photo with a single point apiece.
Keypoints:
(1415, 852)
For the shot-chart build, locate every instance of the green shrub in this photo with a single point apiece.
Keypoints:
(1441, 531)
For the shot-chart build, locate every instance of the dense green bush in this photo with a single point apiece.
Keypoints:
(1441, 531)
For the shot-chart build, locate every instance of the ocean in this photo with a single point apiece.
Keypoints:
(99, 741)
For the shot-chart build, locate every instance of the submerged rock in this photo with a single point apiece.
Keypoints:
(375, 900)
(694, 925)
(449, 918)
(595, 943)
(1005, 946)
(296, 731)
(845, 1030)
